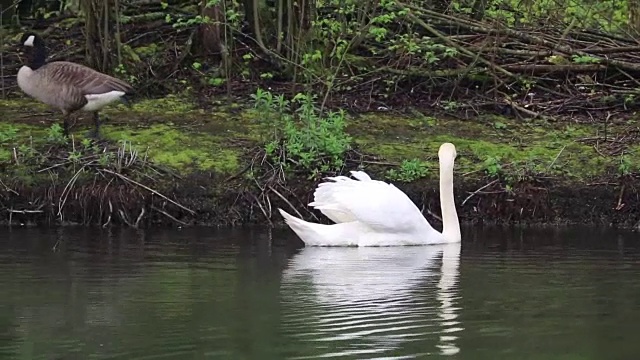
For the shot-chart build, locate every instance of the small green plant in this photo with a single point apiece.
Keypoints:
(55, 134)
(121, 71)
(303, 137)
(629, 98)
(410, 170)
(624, 167)
(216, 81)
(585, 59)
(27, 154)
(8, 135)
(74, 156)
(450, 105)
(211, 80)
(492, 166)
(266, 76)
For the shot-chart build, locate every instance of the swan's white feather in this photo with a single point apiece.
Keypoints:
(343, 234)
(366, 213)
(350, 234)
(377, 204)
(360, 175)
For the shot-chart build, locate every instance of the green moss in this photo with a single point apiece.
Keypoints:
(68, 22)
(5, 154)
(534, 147)
(179, 149)
(20, 104)
(147, 51)
(171, 104)
(14, 133)
(178, 134)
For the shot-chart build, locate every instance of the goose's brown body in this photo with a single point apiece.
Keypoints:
(65, 85)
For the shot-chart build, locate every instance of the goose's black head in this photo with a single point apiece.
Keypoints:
(31, 39)
(34, 48)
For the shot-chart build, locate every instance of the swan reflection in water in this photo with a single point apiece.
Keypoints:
(392, 301)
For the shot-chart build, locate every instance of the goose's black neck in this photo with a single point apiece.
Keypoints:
(38, 56)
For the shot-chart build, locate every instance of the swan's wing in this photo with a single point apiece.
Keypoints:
(324, 195)
(360, 175)
(379, 205)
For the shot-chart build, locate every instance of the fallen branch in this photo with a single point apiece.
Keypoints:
(478, 191)
(285, 200)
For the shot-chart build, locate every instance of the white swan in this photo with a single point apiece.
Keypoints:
(374, 213)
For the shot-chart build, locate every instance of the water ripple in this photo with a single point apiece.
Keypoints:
(370, 301)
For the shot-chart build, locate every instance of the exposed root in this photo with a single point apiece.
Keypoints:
(270, 178)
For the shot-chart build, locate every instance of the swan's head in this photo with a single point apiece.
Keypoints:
(447, 153)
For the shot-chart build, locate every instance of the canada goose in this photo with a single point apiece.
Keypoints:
(65, 85)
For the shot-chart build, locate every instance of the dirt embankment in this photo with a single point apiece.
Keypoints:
(168, 162)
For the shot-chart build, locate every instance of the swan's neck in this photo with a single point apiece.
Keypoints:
(450, 223)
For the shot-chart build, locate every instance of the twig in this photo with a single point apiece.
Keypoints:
(109, 217)
(556, 158)
(24, 211)
(66, 191)
(238, 174)
(148, 189)
(285, 200)
(8, 188)
(168, 215)
(264, 212)
(620, 204)
(531, 113)
(56, 245)
(125, 218)
(434, 215)
(142, 211)
(477, 191)
(449, 42)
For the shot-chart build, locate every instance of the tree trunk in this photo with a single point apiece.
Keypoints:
(99, 33)
(249, 16)
(479, 7)
(209, 33)
(634, 15)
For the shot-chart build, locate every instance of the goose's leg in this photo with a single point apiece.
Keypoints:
(65, 125)
(96, 121)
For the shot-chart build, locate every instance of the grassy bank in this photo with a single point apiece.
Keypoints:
(166, 161)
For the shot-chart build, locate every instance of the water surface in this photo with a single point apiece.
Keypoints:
(254, 294)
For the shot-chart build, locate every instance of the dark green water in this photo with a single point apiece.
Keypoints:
(249, 294)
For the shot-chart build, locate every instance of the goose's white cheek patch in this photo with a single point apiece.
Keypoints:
(29, 41)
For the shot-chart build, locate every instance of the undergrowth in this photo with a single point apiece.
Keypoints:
(66, 180)
(304, 137)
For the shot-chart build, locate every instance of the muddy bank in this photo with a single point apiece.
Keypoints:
(213, 200)
(166, 162)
